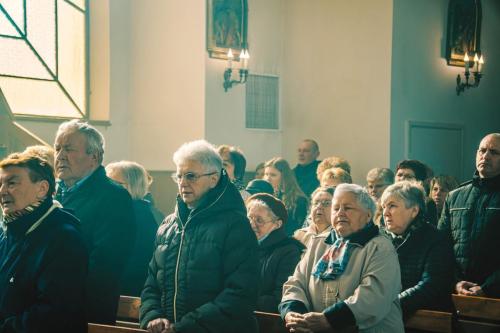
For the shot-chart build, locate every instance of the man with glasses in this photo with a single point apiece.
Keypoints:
(204, 273)
(471, 218)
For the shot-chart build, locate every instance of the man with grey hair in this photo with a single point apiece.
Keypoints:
(471, 218)
(305, 171)
(105, 212)
(204, 273)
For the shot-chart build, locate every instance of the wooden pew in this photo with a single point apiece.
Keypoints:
(128, 312)
(477, 314)
(97, 328)
(270, 322)
(430, 321)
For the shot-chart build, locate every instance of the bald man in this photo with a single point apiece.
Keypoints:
(471, 217)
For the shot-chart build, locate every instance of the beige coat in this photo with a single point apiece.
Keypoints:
(369, 286)
(308, 234)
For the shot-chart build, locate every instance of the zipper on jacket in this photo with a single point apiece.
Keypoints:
(176, 283)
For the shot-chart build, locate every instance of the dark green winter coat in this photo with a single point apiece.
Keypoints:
(204, 272)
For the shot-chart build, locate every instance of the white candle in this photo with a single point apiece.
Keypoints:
(466, 62)
(476, 60)
(481, 63)
(230, 58)
(244, 59)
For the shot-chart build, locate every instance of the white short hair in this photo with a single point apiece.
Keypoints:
(95, 140)
(362, 196)
(200, 151)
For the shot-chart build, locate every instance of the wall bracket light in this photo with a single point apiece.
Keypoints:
(477, 74)
(243, 70)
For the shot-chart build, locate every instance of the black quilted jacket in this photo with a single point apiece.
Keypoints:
(426, 261)
(471, 218)
(204, 274)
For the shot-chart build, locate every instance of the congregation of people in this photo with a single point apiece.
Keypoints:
(305, 242)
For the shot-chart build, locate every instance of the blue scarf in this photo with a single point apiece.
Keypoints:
(333, 263)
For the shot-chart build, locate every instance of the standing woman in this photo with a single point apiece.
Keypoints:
(278, 253)
(320, 217)
(134, 178)
(278, 173)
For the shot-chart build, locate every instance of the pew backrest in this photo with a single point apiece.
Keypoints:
(477, 307)
(97, 328)
(430, 321)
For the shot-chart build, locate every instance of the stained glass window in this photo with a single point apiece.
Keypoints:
(43, 57)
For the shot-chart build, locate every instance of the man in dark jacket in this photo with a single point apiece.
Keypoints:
(305, 171)
(43, 257)
(104, 209)
(204, 273)
(471, 217)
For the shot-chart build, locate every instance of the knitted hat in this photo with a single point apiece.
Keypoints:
(259, 186)
(276, 206)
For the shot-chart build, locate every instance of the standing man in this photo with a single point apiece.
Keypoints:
(471, 217)
(204, 273)
(305, 171)
(104, 209)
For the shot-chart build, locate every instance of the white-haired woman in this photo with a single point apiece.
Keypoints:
(204, 273)
(134, 178)
(354, 283)
(320, 216)
(425, 254)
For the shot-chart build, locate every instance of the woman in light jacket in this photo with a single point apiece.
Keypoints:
(354, 283)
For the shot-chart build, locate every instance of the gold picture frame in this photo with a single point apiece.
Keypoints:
(464, 30)
(227, 22)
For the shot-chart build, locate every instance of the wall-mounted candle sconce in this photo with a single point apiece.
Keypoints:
(477, 67)
(243, 70)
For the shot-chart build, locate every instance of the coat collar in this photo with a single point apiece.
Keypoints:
(361, 237)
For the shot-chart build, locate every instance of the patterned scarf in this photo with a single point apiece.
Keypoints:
(23, 212)
(333, 263)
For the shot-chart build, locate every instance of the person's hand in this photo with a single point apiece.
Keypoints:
(316, 321)
(295, 322)
(468, 289)
(159, 325)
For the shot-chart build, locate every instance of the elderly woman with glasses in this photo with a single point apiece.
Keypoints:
(425, 254)
(320, 226)
(278, 253)
(204, 273)
(354, 282)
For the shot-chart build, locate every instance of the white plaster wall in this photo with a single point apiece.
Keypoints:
(337, 79)
(167, 78)
(225, 111)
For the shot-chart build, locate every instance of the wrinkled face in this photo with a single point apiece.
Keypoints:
(488, 157)
(227, 164)
(307, 153)
(321, 209)
(194, 182)
(376, 187)
(273, 176)
(17, 191)
(72, 160)
(404, 174)
(348, 216)
(438, 194)
(261, 220)
(397, 217)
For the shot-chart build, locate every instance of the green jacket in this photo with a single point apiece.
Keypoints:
(204, 273)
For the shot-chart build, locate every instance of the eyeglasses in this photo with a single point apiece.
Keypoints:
(258, 220)
(322, 203)
(189, 177)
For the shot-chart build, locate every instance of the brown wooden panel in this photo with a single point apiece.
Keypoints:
(270, 322)
(430, 321)
(96, 328)
(477, 307)
(466, 326)
(128, 309)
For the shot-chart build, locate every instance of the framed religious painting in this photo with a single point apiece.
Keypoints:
(227, 22)
(464, 30)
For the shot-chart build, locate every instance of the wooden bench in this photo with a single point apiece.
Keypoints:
(430, 321)
(128, 312)
(477, 314)
(97, 328)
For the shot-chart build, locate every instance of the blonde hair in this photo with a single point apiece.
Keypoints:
(135, 176)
